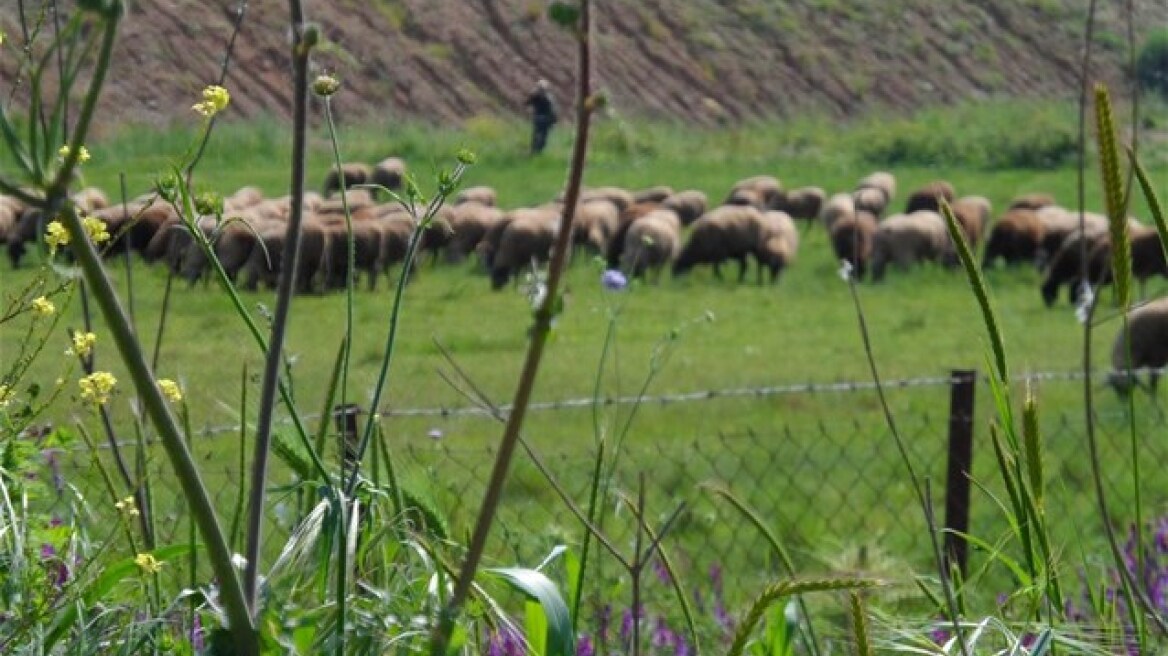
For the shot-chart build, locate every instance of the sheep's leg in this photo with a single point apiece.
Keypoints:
(741, 268)
(718, 270)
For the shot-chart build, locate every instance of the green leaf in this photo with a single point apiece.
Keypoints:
(564, 14)
(558, 636)
(537, 628)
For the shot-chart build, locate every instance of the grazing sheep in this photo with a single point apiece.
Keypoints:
(232, 246)
(906, 239)
(747, 198)
(8, 217)
(972, 214)
(851, 239)
(469, 223)
(1147, 347)
(30, 225)
(616, 245)
(356, 199)
(768, 188)
(729, 232)
(925, 197)
(367, 236)
(802, 203)
(655, 194)
(482, 194)
(1016, 238)
(1066, 266)
(266, 264)
(396, 230)
(652, 242)
(689, 205)
(1147, 256)
(882, 180)
(870, 199)
(243, 198)
(622, 198)
(528, 236)
(839, 206)
(1035, 201)
(350, 174)
(389, 173)
(90, 199)
(595, 224)
(779, 245)
(1058, 223)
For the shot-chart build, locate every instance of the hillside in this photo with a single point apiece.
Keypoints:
(450, 60)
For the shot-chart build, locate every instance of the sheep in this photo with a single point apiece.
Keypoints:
(90, 199)
(1147, 256)
(905, 239)
(595, 224)
(469, 223)
(839, 206)
(689, 205)
(870, 199)
(652, 242)
(802, 203)
(367, 237)
(768, 188)
(1066, 266)
(779, 245)
(972, 214)
(622, 198)
(1058, 223)
(10, 210)
(851, 239)
(654, 194)
(882, 180)
(529, 235)
(729, 232)
(925, 197)
(355, 198)
(1032, 201)
(243, 198)
(396, 229)
(1143, 345)
(1015, 237)
(389, 173)
(349, 175)
(482, 194)
(746, 197)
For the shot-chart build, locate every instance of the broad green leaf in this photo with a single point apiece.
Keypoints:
(559, 637)
(536, 624)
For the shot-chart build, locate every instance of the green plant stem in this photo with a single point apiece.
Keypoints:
(267, 402)
(440, 637)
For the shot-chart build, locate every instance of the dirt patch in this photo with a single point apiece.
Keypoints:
(448, 61)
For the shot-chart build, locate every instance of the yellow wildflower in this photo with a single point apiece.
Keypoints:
(5, 396)
(82, 154)
(56, 236)
(148, 563)
(215, 100)
(170, 390)
(96, 387)
(96, 229)
(82, 344)
(43, 307)
(127, 506)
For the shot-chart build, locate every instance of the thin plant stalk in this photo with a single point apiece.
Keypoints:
(301, 48)
(585, 103)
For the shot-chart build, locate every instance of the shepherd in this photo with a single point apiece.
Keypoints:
(543, 115)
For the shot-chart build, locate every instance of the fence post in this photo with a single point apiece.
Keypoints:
(957, 486)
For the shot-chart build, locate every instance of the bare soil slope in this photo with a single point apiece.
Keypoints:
(447, 60)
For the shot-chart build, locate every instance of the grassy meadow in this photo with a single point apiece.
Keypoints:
(822, 465)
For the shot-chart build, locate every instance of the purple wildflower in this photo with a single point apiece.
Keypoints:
(661, 571)
(55, 521)
(603, 620)
(197, 643)
(940, 636)
(663, 636)
(54, 566)
(584, 646)
(614, 280)
(55, 468)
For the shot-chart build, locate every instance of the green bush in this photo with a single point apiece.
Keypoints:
(1152, 63)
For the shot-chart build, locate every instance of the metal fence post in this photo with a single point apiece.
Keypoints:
(957, 485)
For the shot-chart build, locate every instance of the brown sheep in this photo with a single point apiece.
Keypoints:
(882, 180)
(1034, 201)
(1016, 238)
(469, 223)
(396, 230)
(265, 264)
(243, 198)
(746, 197)
(656, 194)
(768, 188)
(870, 199)
(851, 239)
(616, 245)
(729, 232)
(10, 210)
(779, 246)
(802, 203)
(367, 237)
(906, 239)
(1144, 345)
(622, 198)
(652, 242)
(595, 224)
(350, 174)
(1147, 256)
(232, 246)
(972, 214)
(528, 237)
(1066, 266)
(389, 173)
(482, 194)
(1058, 223)
(839, 206)
(925, 197)
(689, 205)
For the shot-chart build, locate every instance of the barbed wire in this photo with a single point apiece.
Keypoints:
(840, 387)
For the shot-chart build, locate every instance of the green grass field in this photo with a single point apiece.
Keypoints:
(821, 464)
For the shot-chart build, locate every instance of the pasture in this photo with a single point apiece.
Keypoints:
(689, 334)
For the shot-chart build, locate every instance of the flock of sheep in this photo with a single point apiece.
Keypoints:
(641, 232)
